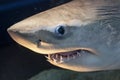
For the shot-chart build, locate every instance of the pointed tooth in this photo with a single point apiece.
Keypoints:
(61, 59)
(48, 57)
(52, 56)
(54, 60)
(56, 56)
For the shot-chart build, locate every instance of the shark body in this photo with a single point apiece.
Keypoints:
(81, 35)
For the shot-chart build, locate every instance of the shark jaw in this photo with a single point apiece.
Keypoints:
(63, 57)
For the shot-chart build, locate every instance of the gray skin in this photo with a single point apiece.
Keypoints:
(92, 26)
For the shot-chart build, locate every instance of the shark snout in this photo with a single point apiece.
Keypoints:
(28, 40)
(13, 34)
(16, 35)
(23, 38)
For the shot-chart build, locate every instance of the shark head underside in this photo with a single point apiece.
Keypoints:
(81, 35)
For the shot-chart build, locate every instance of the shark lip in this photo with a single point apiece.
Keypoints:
(66, 56)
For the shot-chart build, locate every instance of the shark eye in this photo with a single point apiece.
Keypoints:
(60, 30)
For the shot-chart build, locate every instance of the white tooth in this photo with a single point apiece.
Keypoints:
(54, 60)
(61, 59)
(56, 56)
(46, 57)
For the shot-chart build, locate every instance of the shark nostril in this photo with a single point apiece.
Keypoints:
(38, 43)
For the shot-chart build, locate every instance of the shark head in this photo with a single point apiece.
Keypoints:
(81, 35)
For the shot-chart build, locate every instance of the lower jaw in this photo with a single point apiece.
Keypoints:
(77, 68)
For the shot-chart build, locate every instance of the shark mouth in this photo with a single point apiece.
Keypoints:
(66, 56)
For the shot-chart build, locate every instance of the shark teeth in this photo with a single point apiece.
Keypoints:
(65, 56)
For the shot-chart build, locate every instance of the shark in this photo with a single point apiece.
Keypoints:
(81, 35)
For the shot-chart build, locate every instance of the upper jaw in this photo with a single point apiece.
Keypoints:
(27, 41)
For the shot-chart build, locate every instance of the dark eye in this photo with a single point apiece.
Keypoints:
(60, 30)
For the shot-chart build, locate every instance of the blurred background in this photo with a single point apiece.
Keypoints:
(17, 62)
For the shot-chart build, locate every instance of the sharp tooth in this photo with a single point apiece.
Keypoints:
(61, 59)
(48, 57)
(56, 56)
(54, 60)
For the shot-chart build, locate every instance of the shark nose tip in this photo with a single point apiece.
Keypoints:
(10, 30)
(15, 34)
